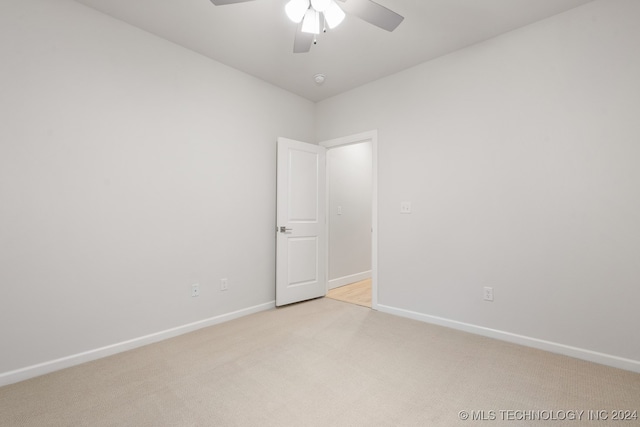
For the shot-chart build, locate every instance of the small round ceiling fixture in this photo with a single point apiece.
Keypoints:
(319, 79)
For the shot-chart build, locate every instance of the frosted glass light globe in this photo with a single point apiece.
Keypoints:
(296, 9)
(320, 5)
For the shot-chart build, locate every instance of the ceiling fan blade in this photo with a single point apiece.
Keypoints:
(302, 42)
(223, 2)
(373, 13)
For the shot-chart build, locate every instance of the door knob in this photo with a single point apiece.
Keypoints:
(284, 229)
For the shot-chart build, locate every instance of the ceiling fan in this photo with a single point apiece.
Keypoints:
(312, 16)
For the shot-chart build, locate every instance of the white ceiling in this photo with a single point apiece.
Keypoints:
(257, 37)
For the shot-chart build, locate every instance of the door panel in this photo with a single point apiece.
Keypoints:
(303, 255)
(303, 185)
(301, 199)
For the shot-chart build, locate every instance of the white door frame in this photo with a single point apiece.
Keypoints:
(371, 136)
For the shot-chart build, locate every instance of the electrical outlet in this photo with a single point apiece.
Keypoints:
(224, 284)
(488, 293)
(195, 290)
(405, 207)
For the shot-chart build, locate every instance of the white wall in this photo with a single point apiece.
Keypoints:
(130, 168)
(349, 187)
(520, 156)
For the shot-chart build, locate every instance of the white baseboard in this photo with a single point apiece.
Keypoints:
(87, 356)
(345, 280)
(578, 353)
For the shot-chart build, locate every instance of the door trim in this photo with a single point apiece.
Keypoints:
(372, 136)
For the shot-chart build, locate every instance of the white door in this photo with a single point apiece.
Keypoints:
(301, 236)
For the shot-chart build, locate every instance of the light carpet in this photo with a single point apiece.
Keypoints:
(323, 363)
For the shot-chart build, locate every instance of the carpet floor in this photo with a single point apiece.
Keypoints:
(325, 363)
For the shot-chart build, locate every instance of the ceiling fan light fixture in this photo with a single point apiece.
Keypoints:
(311, 22)
(296, 9)
(334, 15)
(321, 5)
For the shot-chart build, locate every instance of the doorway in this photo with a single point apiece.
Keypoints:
(352, 218)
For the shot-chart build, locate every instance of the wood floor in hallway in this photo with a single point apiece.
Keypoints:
(355, 293)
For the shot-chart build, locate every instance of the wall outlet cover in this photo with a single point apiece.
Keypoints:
(488, 293)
